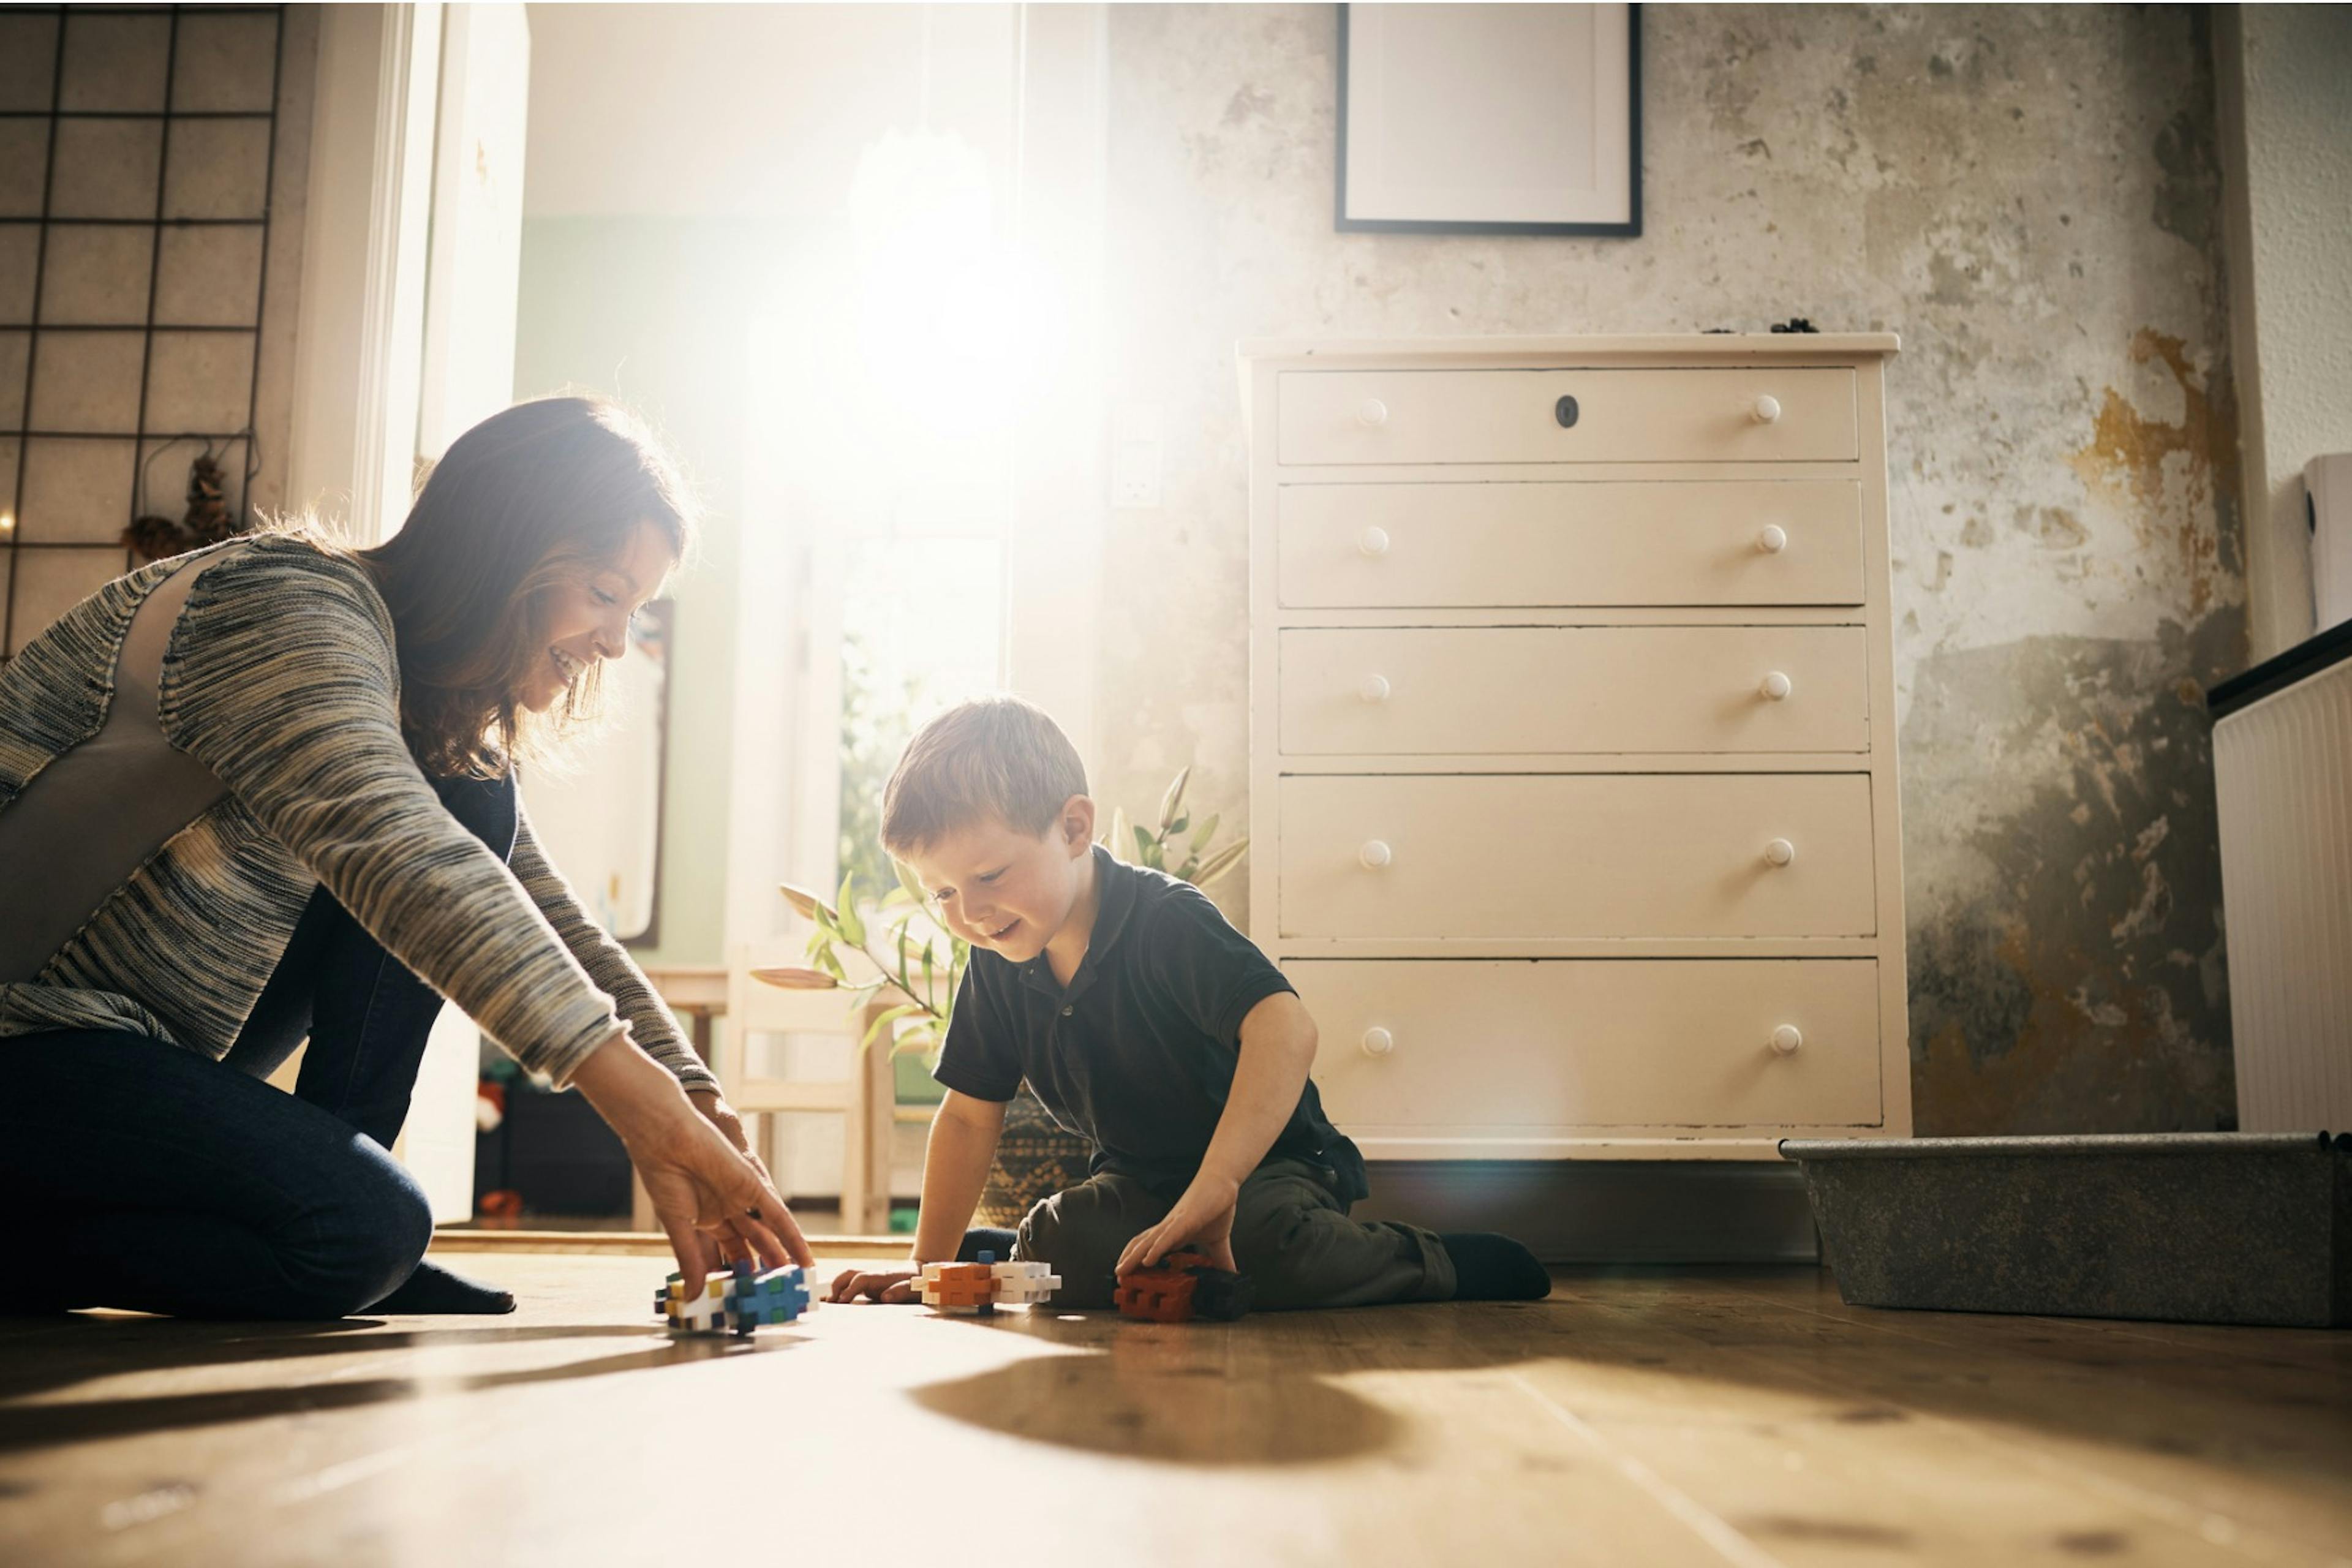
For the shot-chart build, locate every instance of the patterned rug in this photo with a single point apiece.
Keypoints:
(1034, 1159)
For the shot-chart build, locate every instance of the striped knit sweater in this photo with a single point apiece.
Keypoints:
(280, 677)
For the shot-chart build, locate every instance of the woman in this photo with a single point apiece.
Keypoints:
(266, 790)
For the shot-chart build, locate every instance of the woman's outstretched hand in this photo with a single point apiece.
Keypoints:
(713, 1199)
(714, 1108)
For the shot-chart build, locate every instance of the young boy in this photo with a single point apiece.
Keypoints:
(1146, 1023)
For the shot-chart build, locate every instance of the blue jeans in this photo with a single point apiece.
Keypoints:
(157, 1181)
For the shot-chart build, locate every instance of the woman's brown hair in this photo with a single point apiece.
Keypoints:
(517, 507)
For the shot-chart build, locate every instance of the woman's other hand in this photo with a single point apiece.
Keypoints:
(711, 1196)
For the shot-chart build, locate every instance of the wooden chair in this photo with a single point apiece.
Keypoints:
(866, 1101)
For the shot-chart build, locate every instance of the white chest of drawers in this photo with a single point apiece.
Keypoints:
(1573, 801)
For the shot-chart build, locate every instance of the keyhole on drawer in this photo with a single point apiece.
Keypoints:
(1565, 411)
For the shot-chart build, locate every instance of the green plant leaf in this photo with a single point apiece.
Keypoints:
(1179, 825)
(1142, 841)
(1206, 831)
(906, 883)
(923, 1039)
(882, 1022)
(959, 955)
(852, 928)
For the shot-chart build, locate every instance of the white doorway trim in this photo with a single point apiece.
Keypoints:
(359, 342)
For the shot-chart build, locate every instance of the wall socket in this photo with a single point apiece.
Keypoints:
(1135, 448)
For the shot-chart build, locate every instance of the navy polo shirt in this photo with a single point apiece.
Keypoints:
(1137, 1056)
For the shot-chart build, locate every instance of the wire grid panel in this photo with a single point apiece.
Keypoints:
(138, 147)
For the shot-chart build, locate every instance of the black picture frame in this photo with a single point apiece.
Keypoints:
(1629, 229)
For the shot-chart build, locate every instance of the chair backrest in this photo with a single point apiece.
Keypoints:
(756, 1007)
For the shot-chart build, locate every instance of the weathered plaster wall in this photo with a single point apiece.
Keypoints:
(2028, 195)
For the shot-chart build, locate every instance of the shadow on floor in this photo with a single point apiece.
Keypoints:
(2254, 1403)
(85, 1347)
(1188, 1414)
(1221, 1394)
(39, 1355)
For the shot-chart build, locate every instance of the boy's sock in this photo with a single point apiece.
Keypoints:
(433, 1289)
(980, 1238)
(1491, 1267)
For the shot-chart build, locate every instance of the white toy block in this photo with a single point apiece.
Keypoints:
(1026, 1284)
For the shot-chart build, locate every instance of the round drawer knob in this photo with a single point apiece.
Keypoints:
(1371, 413)
(1375, 689)
(1779, 852)
(1375, 855)
(1379, 1042)
(1776, 687)
(1767, 409)
(1373, 541)
(1786, 1039)
(1771, 541)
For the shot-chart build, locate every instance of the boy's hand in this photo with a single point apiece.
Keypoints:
(895, 1287)
(1202, 1218)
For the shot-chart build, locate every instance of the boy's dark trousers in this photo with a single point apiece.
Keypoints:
(1291, 1236)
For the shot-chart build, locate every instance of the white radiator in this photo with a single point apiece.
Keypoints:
(2283, 770)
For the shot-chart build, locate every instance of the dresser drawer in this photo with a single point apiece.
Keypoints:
(1622, 855)
(1502, 691)
(1561, 1043)
(1700, 542)
(1521, 416)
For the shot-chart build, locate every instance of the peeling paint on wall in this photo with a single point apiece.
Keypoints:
(2066, 950)
(2175, 480)
(2027, 194)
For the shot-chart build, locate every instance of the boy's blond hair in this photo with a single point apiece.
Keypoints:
(994, 756)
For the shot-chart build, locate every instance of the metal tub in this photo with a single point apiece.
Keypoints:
(2196, 1228)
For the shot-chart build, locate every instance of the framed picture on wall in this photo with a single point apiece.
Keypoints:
(1490, 119)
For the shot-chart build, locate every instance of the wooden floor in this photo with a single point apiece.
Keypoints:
(1696, 1416)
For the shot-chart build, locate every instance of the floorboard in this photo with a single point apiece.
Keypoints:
(1727, 1416)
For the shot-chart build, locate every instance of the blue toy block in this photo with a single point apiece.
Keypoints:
(736, 1300)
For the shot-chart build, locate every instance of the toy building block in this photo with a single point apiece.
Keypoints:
(1181, 1286)
(736, 1300)
(1027, 1284)
(959, 1287)
(1157, 1295)
(979, 1288)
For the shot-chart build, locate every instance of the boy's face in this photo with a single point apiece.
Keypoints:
(1003, 889)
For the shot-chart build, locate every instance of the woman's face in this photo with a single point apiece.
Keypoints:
(590, 617)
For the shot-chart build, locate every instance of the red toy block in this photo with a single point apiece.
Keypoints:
(1184, 1286)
